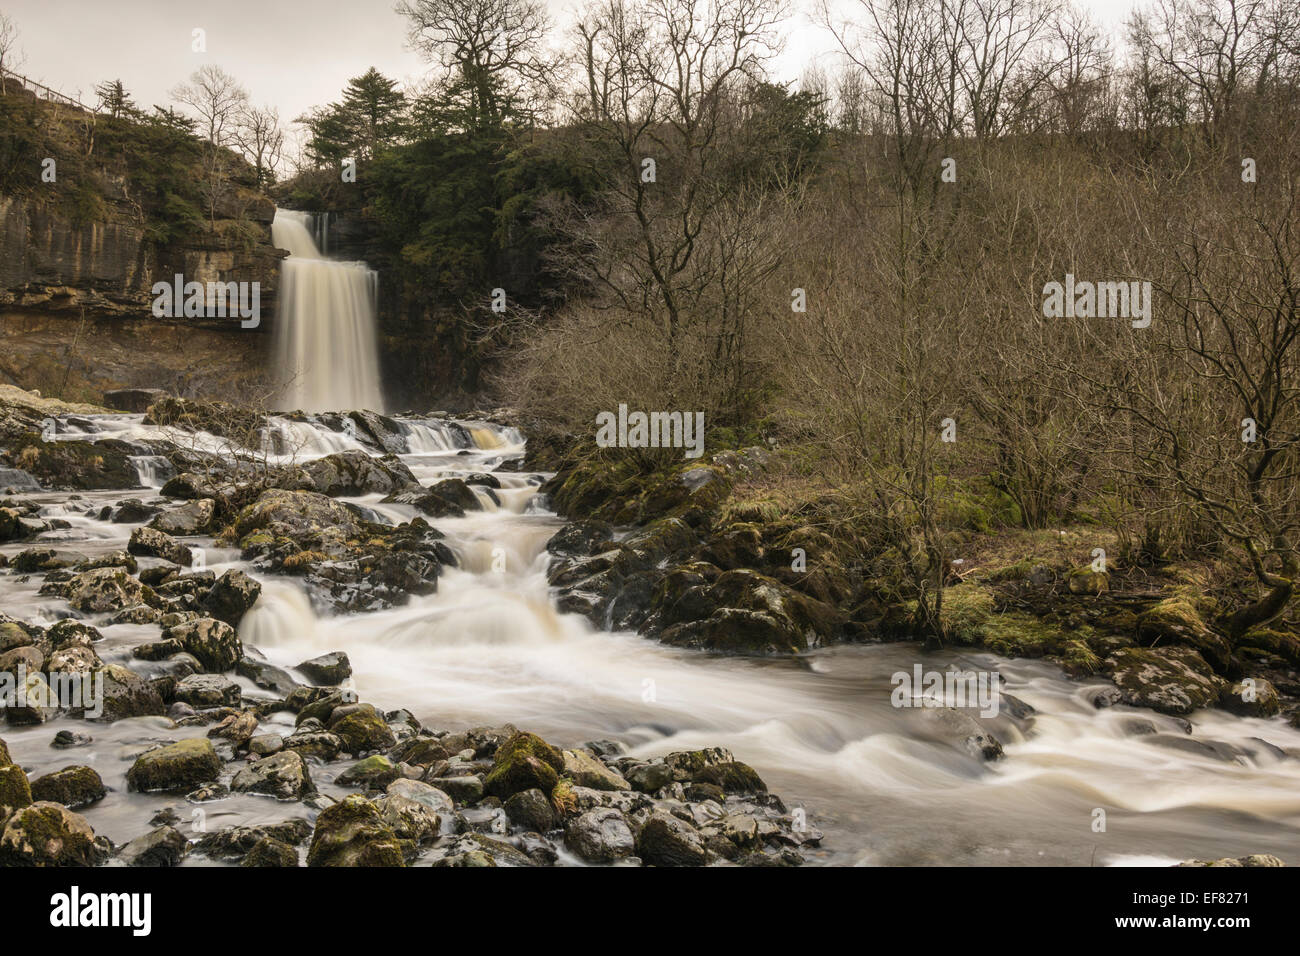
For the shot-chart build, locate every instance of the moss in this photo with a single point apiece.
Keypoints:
(523, 762)
(14, 789)
(352, 833)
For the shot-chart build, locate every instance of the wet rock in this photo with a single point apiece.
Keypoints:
(352, 833)
(150, 542)
(532, 810)
(587, 771)
(163, 846)
(352, 473)
(373, 773)
(36, 560)
(15, 791)
(183, 765)
(208, 690)
(430, 796)
(1253, 697)
(231, 597)
(319, 744)
(66, 739)
(266, 675)
(409, 819)
(667, 841)
(111, 559)
(104, 589)
(362, 730)
(283, 775)
(600, 836)
(1170, 680)
(464, 789)
(310, 521)
(270, 852)
(132, 511)
(234, 843)
(214, 643)
(581, 539)
(524, 762)
(330, 669)
(263, 745)
(48, 834)
(126, 694)
(649, 777)
(12, 635)
(733, 777)
(685, 764)
(74, 787)
(194, 517)
(961, 729)
(419, 751)
(27, 657)
(449, 498)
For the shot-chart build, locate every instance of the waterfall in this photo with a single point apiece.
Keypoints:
(325, 342)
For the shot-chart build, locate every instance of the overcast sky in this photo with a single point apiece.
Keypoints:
(291, 54)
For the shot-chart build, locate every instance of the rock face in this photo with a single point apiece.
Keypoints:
(183, 765)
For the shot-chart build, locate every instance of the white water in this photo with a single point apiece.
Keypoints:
(490, 647)
(325, 343)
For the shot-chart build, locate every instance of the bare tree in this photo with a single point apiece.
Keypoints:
(9, 57)
(260, 138)
(216, 98)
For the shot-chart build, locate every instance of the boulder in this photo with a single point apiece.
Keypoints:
(231, 597)
(353, 833)
(524, 762)
(351, 473)
(586, 771)
(1252, 697)
(150, 542)
(191, 518)
(373, 773)
(665, 840)
(214, 643)
(207, 690)
(49, 834)
(162, 846)
(127, 694)
(270, 852)
(600, 836)
(73, 787)
(532, 810)
(328, 669)
(283, 775)
(104, 589)
(362, 731)
(15, 791)
(1170, 680)
(183, 765)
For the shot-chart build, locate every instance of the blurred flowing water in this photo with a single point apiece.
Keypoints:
(886, 785)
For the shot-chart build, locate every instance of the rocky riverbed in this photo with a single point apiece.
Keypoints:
(367, 640)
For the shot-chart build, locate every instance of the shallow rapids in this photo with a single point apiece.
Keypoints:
(884, 784)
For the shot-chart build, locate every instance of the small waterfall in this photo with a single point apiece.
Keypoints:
(325, 332)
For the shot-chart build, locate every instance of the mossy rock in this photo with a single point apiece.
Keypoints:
(524, 762)
(732, 777)
(1252, 697)
(15, 791)
(1180, 619)
(48, 834)
(362, 731)
(183, 765)
(5, 759)
(1087, 581)
(73, 465)
(1170, 680)
(72, 786)
(353, 833)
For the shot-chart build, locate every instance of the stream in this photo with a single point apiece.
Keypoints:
(490, 647)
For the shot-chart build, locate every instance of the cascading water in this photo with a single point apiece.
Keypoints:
(325, 345)
(491, 645)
